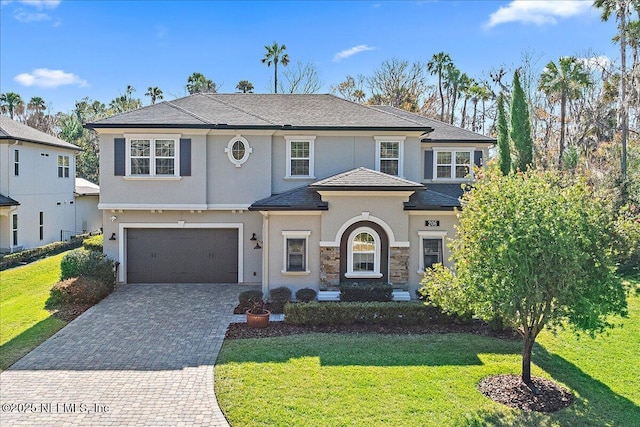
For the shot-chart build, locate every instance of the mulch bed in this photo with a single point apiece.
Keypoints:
(279, 329)
(68, 312)
(511, 391)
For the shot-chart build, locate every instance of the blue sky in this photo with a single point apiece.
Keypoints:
(63, 50)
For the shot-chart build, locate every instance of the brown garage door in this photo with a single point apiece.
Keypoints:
(186, 255)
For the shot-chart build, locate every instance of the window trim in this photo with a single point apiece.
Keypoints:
(286, 235)
(300, 138)
(453, 164)
(396, 139)
(14, 230)
(16, 162)
(152, 156)
(430, 235)
(247, 150)
(64, 171)
(375, 274)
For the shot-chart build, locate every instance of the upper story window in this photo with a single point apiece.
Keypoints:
(363, 254)
(238, 150)
(389, 155)
(300, 156)
(295, 252)
(452, 164)
(16, 163)
(63, 166)
(152, 156)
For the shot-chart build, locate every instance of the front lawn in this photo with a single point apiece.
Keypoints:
(24, 322)
(423, 380)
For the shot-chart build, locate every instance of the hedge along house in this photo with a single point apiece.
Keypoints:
(280, 190)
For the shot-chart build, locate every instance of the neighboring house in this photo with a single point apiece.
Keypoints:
(280, 190)
(88, 216)
(36, 187)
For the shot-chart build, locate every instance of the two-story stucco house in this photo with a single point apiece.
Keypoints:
(280, 190)
(37, 184)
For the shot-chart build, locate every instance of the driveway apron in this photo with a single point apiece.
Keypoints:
(143, 356)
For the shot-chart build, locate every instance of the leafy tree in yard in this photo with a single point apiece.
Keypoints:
(532, 252)
(504, 143)
(521, 126)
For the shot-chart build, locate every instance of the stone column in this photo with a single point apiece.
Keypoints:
(329, 268)
(399, 266)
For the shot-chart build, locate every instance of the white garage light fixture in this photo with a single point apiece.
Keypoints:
(113, 218)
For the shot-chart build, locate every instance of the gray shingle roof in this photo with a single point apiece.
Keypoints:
(298, 199)
(442, 131)
(8, 201)
(365, 179)
(10, 129)
(435, 197)
(261, 111)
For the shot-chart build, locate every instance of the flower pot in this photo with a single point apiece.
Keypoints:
(258, 320)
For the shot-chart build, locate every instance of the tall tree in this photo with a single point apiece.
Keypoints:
(36, 104)
(437, 65)
(565, 81)
(547, 261)
(521, 126)
(397, 83)
(301, 78)
(198, 83)
(452, 81)
(155, 93)
(351, 88)
(10, 102)
(245, 86)
(504, 142)
(275, 54)
(466, 83)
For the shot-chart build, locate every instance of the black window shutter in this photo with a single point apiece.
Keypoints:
(428, 164)
(477, 157)
(120, 156)
(185, 156)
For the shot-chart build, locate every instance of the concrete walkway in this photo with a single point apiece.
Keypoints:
(143, 356)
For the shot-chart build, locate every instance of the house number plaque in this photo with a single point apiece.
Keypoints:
(432, 223)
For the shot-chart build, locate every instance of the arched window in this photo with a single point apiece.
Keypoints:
(363, 254)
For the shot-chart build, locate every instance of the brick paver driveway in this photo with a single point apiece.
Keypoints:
(143, 356)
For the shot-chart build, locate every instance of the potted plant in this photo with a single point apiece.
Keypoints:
(257, 314)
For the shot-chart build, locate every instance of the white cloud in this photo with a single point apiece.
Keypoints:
(46, 78)
(24, 16)
(350, 52)
(596, 62)
(539, 12)
(34, 11)
(42, 4)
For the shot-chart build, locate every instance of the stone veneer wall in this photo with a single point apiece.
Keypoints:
(329, 268)
(399, 266)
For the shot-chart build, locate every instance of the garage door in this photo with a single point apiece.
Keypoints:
(190, 255)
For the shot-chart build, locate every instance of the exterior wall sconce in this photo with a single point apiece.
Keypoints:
(113, 218)
(113, 236)
(257, 246)
(255, 239)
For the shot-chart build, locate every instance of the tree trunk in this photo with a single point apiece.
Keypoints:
(464, 113)
(441, 97)
(623, 89)
(563, 112)
(275, 77)
(528, 340)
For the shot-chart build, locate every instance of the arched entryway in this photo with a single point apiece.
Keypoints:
(364, 253)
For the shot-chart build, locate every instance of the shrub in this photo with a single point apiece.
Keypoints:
(347, 313)
(30, 255)
(94, 243)
(81, 262)
(366, 291)
(306, 295)
(279, 297)
(246, 297)
(627, 231)
(79, 290)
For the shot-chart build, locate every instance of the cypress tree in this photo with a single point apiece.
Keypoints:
(521, 126)
(504, 143)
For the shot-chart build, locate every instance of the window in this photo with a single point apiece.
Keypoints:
(149, 156)
(63, 166)
(238, 150)
(389, 154)
(16, 163)
(453, 164)
(295, 252)
(14, 230)
(300, 156)
(431, 248)
(41, 226)
(363, 254)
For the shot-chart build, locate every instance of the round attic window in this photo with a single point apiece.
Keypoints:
(238, 150)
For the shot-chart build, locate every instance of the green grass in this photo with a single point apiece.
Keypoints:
(24, 322)
(429, 380)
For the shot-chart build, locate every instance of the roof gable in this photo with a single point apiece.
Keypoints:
(10, 129)
(365, 179)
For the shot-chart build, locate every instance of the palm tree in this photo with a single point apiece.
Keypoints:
(466, 83)
(197, 83)
(37, 104)
(154, 93)
(621, 8)
(245, 86)
(437, 65)
(11, 102)
(452, 80)
(274, 54)
(565, 81)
